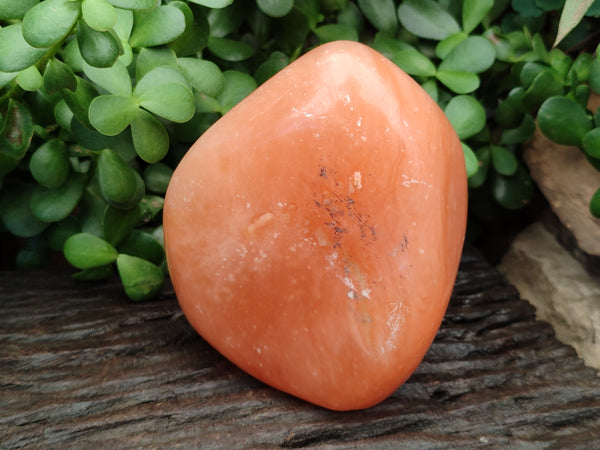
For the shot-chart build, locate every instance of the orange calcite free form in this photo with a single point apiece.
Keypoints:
(313, 234)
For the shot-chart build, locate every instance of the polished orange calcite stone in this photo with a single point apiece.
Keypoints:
(313, 233)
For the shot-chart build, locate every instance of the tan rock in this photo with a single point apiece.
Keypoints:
(562, 291)
(567, 181)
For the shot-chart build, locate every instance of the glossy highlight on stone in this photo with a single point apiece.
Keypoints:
(313, 233)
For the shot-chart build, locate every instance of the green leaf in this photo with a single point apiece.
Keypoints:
(150, 138)
(520, 134)
(33, 255)
(197, 30)
(119, 183)
(151, 205)
(445, 46)
(98, 48)
(238, 85)
(336, 32)
(224, 21)
(473, 12)
(30, 79)
(543, 86)
(151, 58)
(58, 76)
(594, 77)
(204, 76)
(563, 121)
(111, 114)
(483, 162)
(172, 101)
(572, 13)
(527, 8)
(136, 5)
(595, 204)
(229, 49)
(381, 13)
(474, 54)
(72, 56)
(12, 9)
(143, 245)
(141, 279)
(123, 24)
(459, 82)
(7, 165)
(16, 130)
(213, 3)
(157, 177)
(275, 8)
(49, 165)
(404, 56)
(291, 32)
(99, 14)
(159, 76)
(471, 162)
(116, 79)
(58, 233)
(16, 213)
(157, 27)
(466, 115)
(427, 19)
(117, 224)
(88, 138)
(513, 192)
(510, 112)
(276, 62)
(15, 52)
(85, 251)
(49, 22)
(591, 143)
(54, 205)
(503, 160)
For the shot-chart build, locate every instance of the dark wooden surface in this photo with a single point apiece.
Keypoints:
(83, 368)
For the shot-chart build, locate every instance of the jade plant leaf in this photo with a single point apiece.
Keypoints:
(197, 31)
(466, 115)
(513, 192)
(118, 223)
(474, 54)
(445, 46)
(98, 48)
(15, 52)
(30, 79)
(157, 27)
(118, 182)
(15, 212)
(564, 121)
(591, 143)
(503, 160)
(111, 114)
(11, 9)
(471, 162)
(275, 8)
(85, 251)
(58, 76)
(49, 165)
(404, 56)
(141, 279)
(230, 49)
(427, 19)
(277, 61)
(150, 138)
(459, 82)
(153, 58)
(204, 76)
(16, 130)
(159, 76)
(99, 14)
(381, 13)
(336, 32)
(157, 177)
(54, 205)
(473, 12)
(238, 85)
(58, 233)
(49, 22)
(172, 101)
(213, 3)
(115, 79)
(143, 245)
(595, 204)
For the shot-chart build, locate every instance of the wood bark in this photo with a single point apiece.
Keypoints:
(80, 366)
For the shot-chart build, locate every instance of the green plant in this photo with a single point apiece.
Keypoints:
(99, 99)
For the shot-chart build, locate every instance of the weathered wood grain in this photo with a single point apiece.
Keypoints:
(80, 366)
